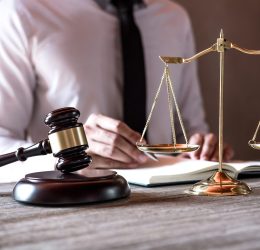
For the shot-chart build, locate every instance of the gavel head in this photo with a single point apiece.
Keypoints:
(68, 139)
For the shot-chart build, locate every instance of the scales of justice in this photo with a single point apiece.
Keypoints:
(220, 183)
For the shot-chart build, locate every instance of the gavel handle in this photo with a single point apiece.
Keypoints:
(21, 154)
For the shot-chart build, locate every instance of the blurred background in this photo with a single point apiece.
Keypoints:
(240, 21)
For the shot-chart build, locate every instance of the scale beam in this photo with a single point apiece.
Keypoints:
(219, 46)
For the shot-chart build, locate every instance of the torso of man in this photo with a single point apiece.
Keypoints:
(68, 53)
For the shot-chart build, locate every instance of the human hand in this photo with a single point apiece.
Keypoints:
(112, 144)
(208, 148)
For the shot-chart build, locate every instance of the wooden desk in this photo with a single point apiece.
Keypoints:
(151, 218)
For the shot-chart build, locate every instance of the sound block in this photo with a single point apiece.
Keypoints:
(54, 188)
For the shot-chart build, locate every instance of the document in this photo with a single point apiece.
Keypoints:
(173, 170)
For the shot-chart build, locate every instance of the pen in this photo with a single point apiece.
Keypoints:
(151, 156)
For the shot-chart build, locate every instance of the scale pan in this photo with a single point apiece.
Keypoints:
(166, 148)
(254, 144)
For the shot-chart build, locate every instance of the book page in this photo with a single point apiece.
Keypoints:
(242, 166)
(179, 165)
(15, 171)
(174, 165)
(176, 169)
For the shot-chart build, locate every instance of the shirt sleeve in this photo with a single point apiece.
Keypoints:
(17, 84)
(191, 100)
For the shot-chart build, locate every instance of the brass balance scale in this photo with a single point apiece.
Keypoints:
(220, 183)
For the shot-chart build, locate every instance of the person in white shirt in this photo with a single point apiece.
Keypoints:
(67, 53)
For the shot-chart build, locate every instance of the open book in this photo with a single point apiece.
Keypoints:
(176, 170)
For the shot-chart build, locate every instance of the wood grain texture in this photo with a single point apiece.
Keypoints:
(151, 218)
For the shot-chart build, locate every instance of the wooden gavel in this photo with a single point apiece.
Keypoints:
(66, 140)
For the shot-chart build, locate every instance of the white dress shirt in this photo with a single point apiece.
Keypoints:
(57, 53)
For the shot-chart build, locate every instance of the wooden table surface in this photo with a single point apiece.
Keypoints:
(151, 218)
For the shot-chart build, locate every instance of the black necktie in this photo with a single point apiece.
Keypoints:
(134, 91)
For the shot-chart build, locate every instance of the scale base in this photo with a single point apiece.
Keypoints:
(54, 188)
(219, 184)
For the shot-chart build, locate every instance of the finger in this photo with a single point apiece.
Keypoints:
(215, 156)
(102, 162)
(196, 139)
(209, 147)
(114, 140)
(115, 126)
(228, 153)
(109, 151)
